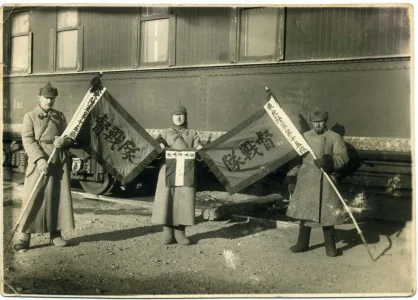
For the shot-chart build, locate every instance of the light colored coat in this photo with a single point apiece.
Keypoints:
(175, 205)
(314, 200)
(52, 209)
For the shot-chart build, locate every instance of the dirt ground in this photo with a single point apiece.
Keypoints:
(116, 250)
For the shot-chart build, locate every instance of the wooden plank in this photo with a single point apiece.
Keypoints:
(233, 36)
(172, 41)
(52, 53)
(135, 42)
(80, 47)
(30, 49)
(280, 32)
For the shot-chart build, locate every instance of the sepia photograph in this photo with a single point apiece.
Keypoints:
(208, 151)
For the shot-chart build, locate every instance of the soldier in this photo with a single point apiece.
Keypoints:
(174, 207)
(314, 201)
(52, 209)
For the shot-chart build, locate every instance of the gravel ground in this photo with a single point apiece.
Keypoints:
(116, 250)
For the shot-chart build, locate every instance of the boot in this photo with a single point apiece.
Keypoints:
(329, 238)
(56, 239)
(179, 235)
(168, 234)
(303, 239)
(24, 241)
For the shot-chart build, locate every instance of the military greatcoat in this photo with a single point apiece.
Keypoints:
(175, 205)
(314, 200)
(52, 209)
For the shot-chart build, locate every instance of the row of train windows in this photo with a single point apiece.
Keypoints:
(258, 38)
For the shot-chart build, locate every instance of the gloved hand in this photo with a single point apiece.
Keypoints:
(42, 165)
(290, 182)
(95, 83)
(198, 147)
(162, 145)
(326, 162)
(59, 142)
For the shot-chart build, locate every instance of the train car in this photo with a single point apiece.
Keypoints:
(353, 61)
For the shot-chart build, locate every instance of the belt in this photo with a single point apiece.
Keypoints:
(46, 141)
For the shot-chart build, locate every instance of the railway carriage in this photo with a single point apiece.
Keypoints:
(352, 61)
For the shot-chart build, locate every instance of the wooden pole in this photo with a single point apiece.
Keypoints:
(30, 200)
(345, 206)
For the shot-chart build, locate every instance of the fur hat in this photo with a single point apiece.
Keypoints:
(179, 109)
(48, 91)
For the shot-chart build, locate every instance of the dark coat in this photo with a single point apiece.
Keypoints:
(314, 200)
(52, 209)
(175, 205)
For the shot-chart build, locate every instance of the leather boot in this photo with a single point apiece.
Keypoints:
(56, 239)
(329, 238)
(24, 241)
(303, 239)
(168, 234)
(179, 232)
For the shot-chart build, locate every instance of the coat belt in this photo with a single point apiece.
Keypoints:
(46, 141)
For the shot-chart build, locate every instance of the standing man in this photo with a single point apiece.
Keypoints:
(314, 201)
(52, 209)
(174, 206)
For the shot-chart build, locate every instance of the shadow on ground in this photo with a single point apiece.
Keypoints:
(372, 230)
(237, 230)
(117, 235)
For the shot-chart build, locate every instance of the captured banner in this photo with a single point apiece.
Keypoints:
(180, 168)
(249, 152)
(122, 146)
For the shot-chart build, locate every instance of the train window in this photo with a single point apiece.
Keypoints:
(152, 11)
(260, 34)
(20, 24)
(67, 39)
(67, 49)
(67, 18)
(157, 27)
(155, 40)
(21, 43)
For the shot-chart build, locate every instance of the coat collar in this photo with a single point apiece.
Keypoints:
(179, 131)
(325, 131)
(43, 114)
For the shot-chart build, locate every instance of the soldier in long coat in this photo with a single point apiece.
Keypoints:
(52, 209)
(314, 201)
(174, 207)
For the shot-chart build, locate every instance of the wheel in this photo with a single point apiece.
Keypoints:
(99, 188)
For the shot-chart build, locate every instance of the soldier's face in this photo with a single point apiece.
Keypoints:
(319, 126)
(179, 119)
(46, 103)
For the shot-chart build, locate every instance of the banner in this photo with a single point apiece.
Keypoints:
(82, 112)
(122, 146)
(286, 126)
(180, 168)
(249, 152)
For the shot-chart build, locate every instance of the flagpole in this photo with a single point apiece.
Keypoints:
(33, 193)
(333, 186)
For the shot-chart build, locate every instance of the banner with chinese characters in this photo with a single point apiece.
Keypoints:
(82, 113)
(122, 146)
(179, 168)
(248, 152)
(286, 126)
